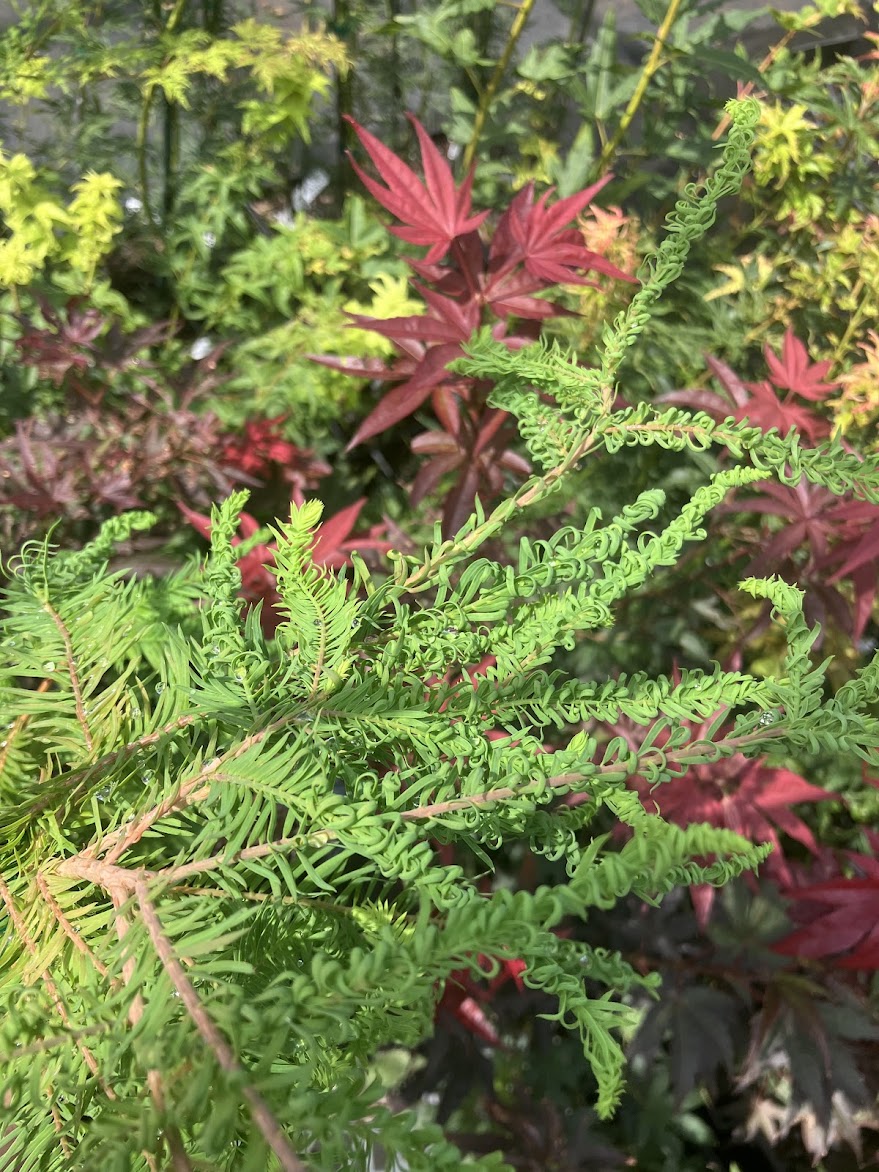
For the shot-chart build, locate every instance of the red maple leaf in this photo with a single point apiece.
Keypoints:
(435, 214)
(839, 538)
(476, 446)
(533, 247)
(760, 402)
(838, 916)
(541, 237)
(260, 446)
(794, 372)
(765, 410)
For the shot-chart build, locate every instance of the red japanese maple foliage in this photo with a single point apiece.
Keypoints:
(824, 541)
(532, 248)
(838, 916)
(261, 446)
(761, 403)
(840, 921)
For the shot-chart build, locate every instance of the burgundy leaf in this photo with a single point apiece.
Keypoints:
(839, 915)
(729, 380)
(698, 399)
(408, 397)
(460, 501)
(864, 555)
(794, 372)
(435, 214)
(430, 474)
(432, 443)
(371, 368)
(420, 326)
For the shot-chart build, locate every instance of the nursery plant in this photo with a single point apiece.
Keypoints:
(224, 878)
(492, 285)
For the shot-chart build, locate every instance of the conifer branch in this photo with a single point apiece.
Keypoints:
(119, 889)
(268, 1125)
(18, 725)
(67, 928)
(51, 987)
(75, 682)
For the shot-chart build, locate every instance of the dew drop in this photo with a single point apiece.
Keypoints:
(135, 712)
(159, 689)
(49, 665)
(450, 631)
(215, 650)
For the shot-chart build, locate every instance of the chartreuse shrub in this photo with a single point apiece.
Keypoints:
(200, 86)
(38, 229)
(220, 889)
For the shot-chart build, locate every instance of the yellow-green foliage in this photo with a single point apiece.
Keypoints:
(287, 71)
(816, 260)
(788, 157)
(38, 229)
(274, 373)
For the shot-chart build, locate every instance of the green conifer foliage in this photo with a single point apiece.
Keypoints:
(219, 886)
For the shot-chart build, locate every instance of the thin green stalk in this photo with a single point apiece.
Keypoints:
(854, 321)
(393, 8)
(343, 27)
(143, 124)
(495, 80)
(170, 156)
(651, 67)
(580, 22)
(141, 149)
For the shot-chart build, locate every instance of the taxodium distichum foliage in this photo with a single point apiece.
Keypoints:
(221, 873)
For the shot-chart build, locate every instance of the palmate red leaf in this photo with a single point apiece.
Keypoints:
(435, 214)
(430, 474)
(409, 396)
(510, 294)
(540, 237)
(729, 380)
(765, 410)
(794, 372)
(462, 317)
(333, 543)
(418, 326)
(371, 368)
(698, 399)
(838, 916)
(865, 554)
